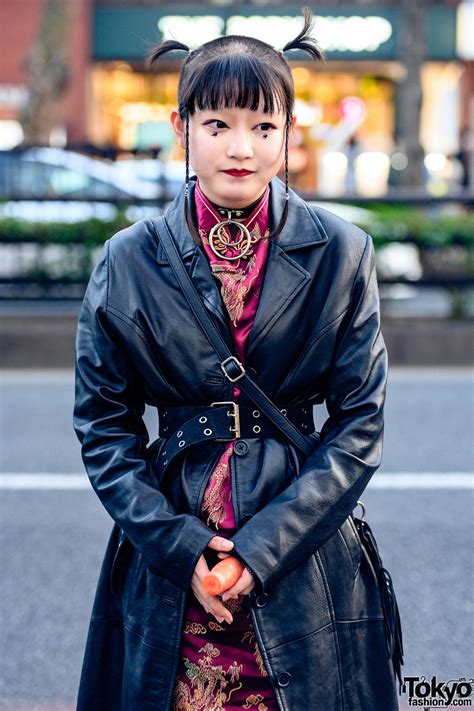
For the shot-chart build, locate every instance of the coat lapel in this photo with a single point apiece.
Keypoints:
(284, 276)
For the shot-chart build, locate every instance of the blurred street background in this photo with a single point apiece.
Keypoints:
(384, 138)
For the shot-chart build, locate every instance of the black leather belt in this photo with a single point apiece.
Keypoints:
(223, 421)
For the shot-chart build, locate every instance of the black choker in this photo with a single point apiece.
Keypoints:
(243, 212)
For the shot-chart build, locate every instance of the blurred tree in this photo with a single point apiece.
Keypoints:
(410, 92)
(47, 68)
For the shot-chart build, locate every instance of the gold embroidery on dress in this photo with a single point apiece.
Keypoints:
(213, 500)
(234, 290)
(233, 604)
(253, 700)
(232, 277)
(256, 651)
(194, 628)
(207, 683)
(215, 626)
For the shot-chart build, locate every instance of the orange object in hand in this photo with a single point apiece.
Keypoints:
(223, 576)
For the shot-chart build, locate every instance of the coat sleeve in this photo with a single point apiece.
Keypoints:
(107, 419)
(296, 523)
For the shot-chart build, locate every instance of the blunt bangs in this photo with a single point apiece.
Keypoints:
(239, 80)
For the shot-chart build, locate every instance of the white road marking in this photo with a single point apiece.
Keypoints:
(394, 480)
(400, 374)
(44, 480)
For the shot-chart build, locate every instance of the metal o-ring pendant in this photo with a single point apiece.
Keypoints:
(217, 232)
(221, 233)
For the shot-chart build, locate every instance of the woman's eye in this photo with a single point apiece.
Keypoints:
(218, 124)
(266, 126)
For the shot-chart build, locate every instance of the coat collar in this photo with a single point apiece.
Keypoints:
(303, 227)
(284, 277)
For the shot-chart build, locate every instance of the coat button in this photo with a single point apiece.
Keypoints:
(241, 447)
(261, 600)
(284, 679)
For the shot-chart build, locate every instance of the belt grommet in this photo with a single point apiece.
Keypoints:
(256, 429)
(178, 434)
(207, 432)
(283, 412)
(182, 443)
(256, 413)
(203, 419)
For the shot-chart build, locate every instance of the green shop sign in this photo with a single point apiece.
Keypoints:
(123, 33)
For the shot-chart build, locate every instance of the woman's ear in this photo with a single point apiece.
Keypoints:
(178, 127)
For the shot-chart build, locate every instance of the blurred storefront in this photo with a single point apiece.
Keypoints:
(347, 107)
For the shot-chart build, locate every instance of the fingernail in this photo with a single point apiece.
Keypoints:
(228, 544)
(220, 619)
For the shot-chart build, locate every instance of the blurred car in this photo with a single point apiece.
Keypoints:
(47, 172)
(39, 174)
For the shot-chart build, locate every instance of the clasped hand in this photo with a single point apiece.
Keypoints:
(212, 603)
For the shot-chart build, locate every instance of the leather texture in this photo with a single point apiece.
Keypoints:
(316, 607)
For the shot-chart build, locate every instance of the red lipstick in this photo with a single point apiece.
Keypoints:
(238, 173)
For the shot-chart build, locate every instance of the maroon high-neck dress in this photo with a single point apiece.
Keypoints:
(220, 667)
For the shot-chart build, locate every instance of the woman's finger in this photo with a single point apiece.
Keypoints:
(219, 543)
(242, 583)
(219, 611)
(248, 589)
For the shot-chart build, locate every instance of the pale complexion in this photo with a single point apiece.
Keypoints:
(231, 138)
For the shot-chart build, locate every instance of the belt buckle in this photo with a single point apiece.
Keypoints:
(235, 414)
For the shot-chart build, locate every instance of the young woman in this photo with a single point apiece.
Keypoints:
(293, 292)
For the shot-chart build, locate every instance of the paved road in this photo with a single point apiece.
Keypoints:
(420, 505)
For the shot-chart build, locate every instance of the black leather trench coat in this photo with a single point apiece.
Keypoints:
(316, 608)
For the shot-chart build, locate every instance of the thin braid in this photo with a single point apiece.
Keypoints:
(187, 212)
(186, 184)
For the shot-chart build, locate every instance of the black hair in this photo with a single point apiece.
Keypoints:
(237, 71)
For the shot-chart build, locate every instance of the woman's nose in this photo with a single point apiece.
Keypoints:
(239, 146)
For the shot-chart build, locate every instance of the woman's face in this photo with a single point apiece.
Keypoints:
(233, 139)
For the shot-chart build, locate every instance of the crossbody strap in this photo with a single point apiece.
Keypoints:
(230, 365)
